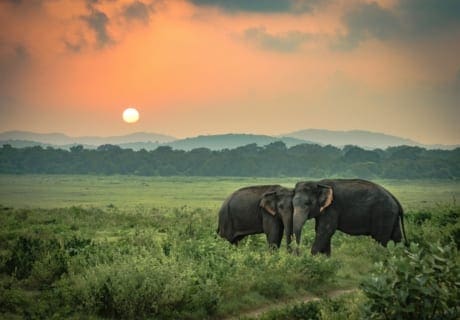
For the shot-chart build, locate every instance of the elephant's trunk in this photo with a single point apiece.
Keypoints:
(288, 232)
(299, 219)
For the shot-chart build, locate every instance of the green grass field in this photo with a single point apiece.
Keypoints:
(145, 247)
(128, 192)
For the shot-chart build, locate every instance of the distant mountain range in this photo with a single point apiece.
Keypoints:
(151, 141)
(61, 139)
(364, 139)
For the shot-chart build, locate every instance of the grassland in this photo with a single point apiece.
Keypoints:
(145, 247)
(128, 192)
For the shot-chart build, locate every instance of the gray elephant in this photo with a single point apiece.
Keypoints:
(257, 209)
(356, 207)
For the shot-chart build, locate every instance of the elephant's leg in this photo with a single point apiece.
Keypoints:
(382, 227)
(396, 234)
(274, 235)
(273, 228)
(381, 235)
(236, 240)
(327, 248)
(322, 243)
(325, 228)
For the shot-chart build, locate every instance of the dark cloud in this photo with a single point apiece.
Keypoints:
(286, 42)
(428, 16)
(368, 20)
(21, 53)
(409, 20)
(25, 4)
(97, 21)
(13, 53)
(74, 47)
(261, 6)
(14, 58)
(137, 10)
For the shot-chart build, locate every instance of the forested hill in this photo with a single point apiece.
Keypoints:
(275, 159)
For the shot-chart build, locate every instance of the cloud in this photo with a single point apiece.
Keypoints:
(11, 54)
(408, 20)
(368, 20)
(286, 42)
(261, 6)
(14, 57)
(21, 53)
(74, 47)
(136, 10)
(97, 21)
(25, 5)
(429, 16)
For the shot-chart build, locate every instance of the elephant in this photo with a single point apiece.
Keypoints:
(353, 206)
(257, 209)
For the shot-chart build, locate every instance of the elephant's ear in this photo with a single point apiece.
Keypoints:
(326, 197)
(268, 202)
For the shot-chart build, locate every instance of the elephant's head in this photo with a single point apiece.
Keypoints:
(279, 203)
(310, 200)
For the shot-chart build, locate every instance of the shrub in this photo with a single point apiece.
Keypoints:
(24, 252)
(49, 268)
(455, 235)
(11, 298)
(306, 310)
(346, 306)
(419, 218)
(40, 261)
(142, 287)
(420, 282)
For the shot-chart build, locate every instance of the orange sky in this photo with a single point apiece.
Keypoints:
(204, 67)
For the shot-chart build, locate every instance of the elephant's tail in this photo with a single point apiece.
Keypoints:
(401, 217)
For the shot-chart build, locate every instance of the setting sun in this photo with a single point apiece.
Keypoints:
(130, 115)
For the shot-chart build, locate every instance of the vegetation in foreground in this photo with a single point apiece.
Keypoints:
(119, 260)
(76, 262)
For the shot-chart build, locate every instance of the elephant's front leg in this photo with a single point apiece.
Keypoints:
(325, 229)
(322, 244)
(274, 231)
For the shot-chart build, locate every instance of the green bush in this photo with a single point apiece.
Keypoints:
(24, 252)
(420, 282)
(344, 307)
(306, 310)
(49, 268)
(455, 235)
(141, 287)
(12, 299)
(418, 218)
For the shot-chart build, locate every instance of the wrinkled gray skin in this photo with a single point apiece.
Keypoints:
(257, 209)
(358, 207)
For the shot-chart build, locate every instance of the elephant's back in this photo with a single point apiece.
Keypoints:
(364, 192)
(249, 195)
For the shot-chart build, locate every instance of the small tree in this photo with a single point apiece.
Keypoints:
(415, 283)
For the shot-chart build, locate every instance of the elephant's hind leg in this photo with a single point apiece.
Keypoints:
(236, 239)
(387, 229)
(396, 234)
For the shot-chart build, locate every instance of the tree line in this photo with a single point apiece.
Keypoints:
(272, 160)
